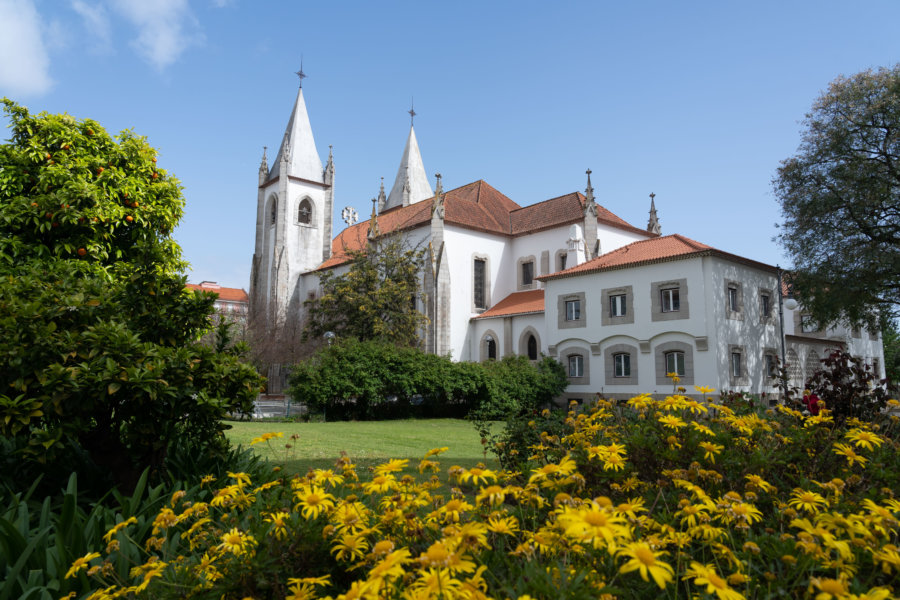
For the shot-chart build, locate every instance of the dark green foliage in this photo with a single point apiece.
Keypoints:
(374, 299)
(99, 352)
(840, 197)
(848, 386)
(375, 380)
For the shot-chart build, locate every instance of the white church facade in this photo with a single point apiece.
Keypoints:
(620, 306)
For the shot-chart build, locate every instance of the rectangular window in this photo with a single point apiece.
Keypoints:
(617, 306)
(807, 324)
(573, 310)
(669, 299)
(771, 366)
(576, 366)
(675, 363)
(733, 305)
(736, 364)
(562, 262)
(478, 285)
(622, 364)
(765, 308)
(527, 273)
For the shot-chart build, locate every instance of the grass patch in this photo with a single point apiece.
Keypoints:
(368, 443)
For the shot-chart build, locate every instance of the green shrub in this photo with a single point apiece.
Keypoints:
(848, 386)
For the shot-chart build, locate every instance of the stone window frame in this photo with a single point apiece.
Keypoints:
(487, 281)
(809, 321)
(737, 312)
(272, 212)
(561, 257)
(659, 356)
(562, 323)
(769, 352)
(743, 378)
(609, 363)
(606, 317)
(523, 342)
(312, 212)
(656, 289)
(585, 355)
(519, 265)
(763, 318)
(483, 345)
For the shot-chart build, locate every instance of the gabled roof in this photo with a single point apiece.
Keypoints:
(517, 303)
(659, 249)
(225, 293)
(480, 207)
(411, 171)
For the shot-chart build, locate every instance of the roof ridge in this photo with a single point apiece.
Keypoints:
(544, 201)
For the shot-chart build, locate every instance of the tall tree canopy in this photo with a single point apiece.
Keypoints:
(840, 197)
(375, 299)
(99, 350)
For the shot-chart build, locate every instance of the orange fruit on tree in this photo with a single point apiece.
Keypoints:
(129, 218)
(82, 252)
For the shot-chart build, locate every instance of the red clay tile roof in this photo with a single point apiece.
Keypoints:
(476, 206)
(225, 293)
(517, 303)
(660, 249)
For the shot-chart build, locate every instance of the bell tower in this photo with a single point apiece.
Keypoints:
(295, 202)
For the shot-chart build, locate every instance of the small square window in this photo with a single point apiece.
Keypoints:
(622, 365)
(807, 324)
(617, 306)
(669, 299)
(736, 364)
(573, 310)
(527, 273)
(576, 366)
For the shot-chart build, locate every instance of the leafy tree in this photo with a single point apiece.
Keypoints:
(99, 340)
(374, 299)
(840, 197)
(891, 339)
(848, 386)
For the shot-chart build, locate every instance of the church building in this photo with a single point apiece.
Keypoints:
(620, 306)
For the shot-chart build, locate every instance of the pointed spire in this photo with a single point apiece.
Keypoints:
(589, 191)
(298, 147)
(381, 197)
(439, 188)
(373, 222)
(410, 175)
(437, 204)
(653, 222)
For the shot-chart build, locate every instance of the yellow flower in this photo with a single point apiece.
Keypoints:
(266, 437)
(864, 439)
(672, 422)
(644, 560)
(279, 521)
(478, 475)
(314, 501)
(108, 536)
(706, 575)
(391, 566)
(704, 390)
(350, 546)
(81, 563)
(711, 450)
(493, 495)
(594, 524)
(503, 525)
(759, 483)
(236, 542)
(848, 453)
(829, 588)
(703, 429)
(395, 465)
(436, 451)
(807, 501)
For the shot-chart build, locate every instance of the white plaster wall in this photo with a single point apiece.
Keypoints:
(303, 242)
(551, 240)
(612, 237)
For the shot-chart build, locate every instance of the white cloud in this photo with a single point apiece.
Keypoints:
(166, 28)
(24, 64)
(96, 22)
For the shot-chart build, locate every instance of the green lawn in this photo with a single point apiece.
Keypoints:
(368, 443)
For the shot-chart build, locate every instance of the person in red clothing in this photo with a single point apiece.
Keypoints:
(812, 402)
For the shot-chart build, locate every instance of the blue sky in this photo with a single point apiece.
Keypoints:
(694, 101)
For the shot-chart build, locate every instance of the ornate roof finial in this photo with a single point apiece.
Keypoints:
(381, 197)
(373, 223)
(653, 222)
(589, 191)
(300, 73)
(265, 160)
(438, 188)
(412, 111)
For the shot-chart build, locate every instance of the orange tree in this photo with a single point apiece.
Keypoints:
(99, 352)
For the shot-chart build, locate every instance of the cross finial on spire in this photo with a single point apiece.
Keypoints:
(300, 73)
(652, 196)
(412, 112)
